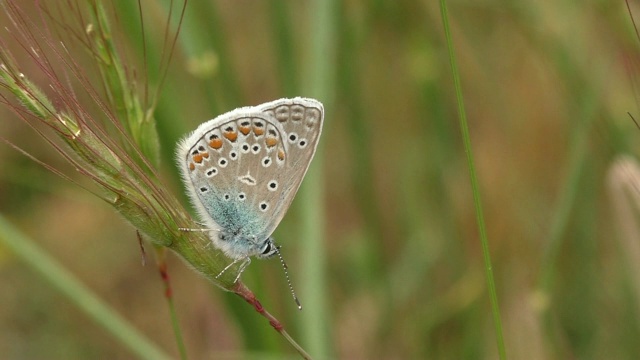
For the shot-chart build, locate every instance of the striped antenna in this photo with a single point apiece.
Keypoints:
(286, 274)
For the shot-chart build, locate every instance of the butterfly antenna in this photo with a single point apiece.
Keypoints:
(286, 274)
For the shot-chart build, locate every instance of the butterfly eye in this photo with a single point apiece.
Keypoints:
(269, 248)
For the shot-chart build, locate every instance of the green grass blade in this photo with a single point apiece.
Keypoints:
(56, 275)
(464, 128)
(319, 75)
(283, 41)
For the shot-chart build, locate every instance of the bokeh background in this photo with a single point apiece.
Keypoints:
(547, 88)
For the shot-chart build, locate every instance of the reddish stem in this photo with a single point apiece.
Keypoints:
(164, 273)
(241, 290)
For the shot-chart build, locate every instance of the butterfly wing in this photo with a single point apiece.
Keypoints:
(299, 121)
(243, 168)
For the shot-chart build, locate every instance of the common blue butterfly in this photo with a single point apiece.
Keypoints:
(243, 169)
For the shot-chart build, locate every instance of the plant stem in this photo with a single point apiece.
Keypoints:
(464, 128)
(56, 275)
(241, 290)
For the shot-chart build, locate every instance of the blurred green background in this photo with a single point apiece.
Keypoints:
(547, 87)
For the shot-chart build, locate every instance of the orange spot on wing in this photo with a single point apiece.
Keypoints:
(231, 135)
(205, 155)
(192, 166)
(271, 142)
(281, 154)
(244, 130)
(258, 131)
(216, 143)
(197, 158)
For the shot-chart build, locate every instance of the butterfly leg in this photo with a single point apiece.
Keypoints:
(244, 265)
(202, 229)
(197, 230)
(227, 267)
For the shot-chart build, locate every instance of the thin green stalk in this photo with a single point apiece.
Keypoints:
(577, 166)
(579, 159)
(121, 88)
(587, 112)
(161, 261)
(283, 41)
(464, 128)
(315, 325)
(349, 80)
(55, 274)
(203, 31)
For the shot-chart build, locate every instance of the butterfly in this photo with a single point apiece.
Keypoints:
(243, 169)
